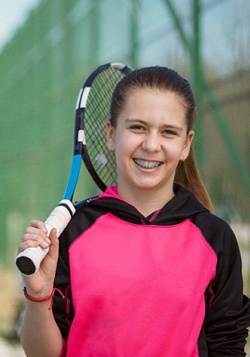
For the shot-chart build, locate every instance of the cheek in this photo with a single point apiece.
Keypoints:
(124, 143)
(174, 151)
(120, 148)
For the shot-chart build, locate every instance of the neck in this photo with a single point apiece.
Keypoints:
(146, 201)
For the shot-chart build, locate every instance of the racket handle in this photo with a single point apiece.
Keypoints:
(28, 261)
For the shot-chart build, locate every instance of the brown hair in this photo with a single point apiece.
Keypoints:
(166, 79)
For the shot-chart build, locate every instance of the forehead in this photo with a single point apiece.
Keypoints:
(152, 97)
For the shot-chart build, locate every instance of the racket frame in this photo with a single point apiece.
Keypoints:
(29, 260)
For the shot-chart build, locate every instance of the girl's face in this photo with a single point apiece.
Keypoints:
(149, 140)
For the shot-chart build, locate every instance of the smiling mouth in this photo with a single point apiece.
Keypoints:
(147, 164)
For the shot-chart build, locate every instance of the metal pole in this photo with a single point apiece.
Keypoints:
(197, 82)
(134, 29)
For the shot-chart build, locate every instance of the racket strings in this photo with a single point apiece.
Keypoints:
(96, 113)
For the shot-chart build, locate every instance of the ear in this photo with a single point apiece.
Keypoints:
(110, 135)
(187, 146)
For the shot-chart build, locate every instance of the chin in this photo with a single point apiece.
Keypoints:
(146, 185)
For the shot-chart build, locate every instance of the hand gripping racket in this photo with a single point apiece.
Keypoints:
(92, 111)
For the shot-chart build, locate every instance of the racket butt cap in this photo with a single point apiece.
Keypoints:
(25, 265)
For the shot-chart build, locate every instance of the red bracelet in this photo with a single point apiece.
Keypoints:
(45, 298)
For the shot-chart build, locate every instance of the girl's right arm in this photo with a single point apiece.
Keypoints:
(40, 335)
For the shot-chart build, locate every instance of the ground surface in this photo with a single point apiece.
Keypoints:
(7, 350)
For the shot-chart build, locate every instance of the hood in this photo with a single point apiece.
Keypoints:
(182, 206)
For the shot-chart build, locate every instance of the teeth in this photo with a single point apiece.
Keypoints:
(147, 164)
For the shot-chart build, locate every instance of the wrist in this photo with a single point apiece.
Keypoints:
(46, 291)
(44, 298)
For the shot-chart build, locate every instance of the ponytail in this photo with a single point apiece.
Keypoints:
(188, 176)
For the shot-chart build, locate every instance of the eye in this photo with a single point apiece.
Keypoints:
(169, 132)
(137, 127)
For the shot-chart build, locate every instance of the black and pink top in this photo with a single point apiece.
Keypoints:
(167, 285)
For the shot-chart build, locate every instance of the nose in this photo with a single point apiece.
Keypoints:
(151, 143)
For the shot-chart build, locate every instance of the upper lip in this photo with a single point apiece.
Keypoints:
(147, 160)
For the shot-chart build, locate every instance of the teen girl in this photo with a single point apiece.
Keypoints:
(145, 269)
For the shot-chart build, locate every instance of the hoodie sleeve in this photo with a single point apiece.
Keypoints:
(62, 305)
(228, 310)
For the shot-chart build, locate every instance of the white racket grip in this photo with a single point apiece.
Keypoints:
(60, 216)
(28, 261)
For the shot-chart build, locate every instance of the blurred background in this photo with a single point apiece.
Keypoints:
(48, 48)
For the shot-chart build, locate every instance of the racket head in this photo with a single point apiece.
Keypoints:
(92, 112)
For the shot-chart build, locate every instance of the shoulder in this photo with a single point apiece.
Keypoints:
(211, 222)
(84, 217)
(216, 231)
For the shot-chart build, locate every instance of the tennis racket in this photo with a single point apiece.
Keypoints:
(92, 111)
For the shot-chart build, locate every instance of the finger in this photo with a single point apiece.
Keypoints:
(39, 224)
(35, 231)
(53, 235)
(36, 235)
(54, 247)
(32, 243)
